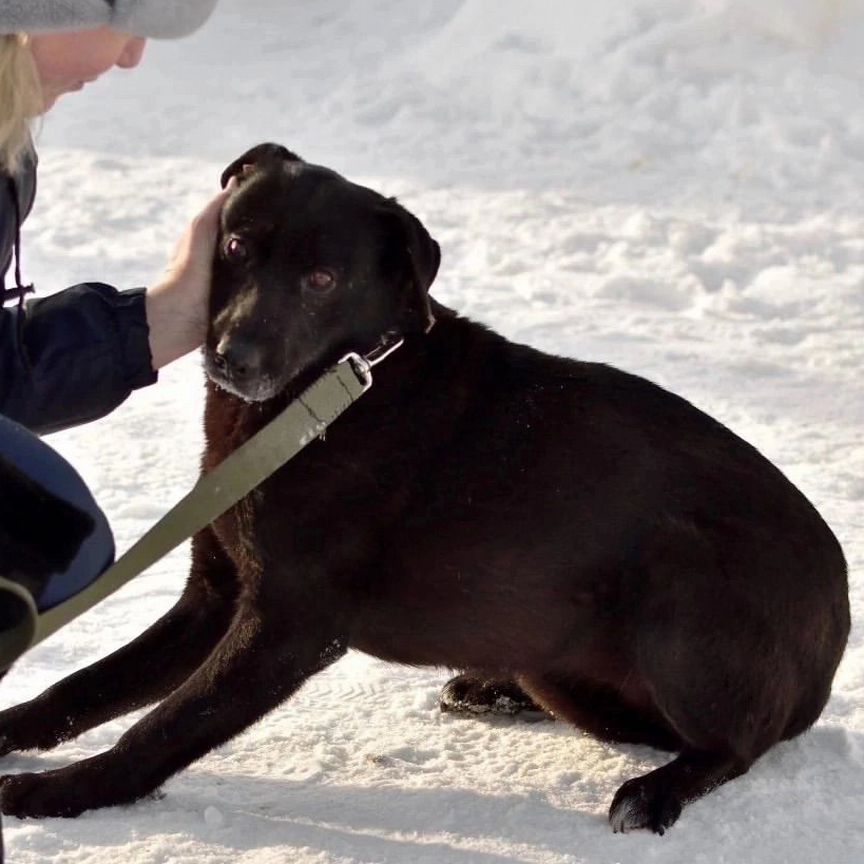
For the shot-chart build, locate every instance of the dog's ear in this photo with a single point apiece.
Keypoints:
(424, 257)
(259, 155)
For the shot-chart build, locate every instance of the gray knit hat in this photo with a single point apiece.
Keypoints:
(159, 19)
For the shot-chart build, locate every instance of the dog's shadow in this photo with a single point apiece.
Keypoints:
(391, 824)
(239, 814)
(338, 823)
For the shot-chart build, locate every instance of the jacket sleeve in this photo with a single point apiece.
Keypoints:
(74, 356)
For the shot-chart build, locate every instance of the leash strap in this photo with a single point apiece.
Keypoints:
(304, 420)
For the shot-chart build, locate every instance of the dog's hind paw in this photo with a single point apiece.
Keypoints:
(640, 804)
(468, 695)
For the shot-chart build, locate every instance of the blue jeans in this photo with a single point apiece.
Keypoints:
(50, 470)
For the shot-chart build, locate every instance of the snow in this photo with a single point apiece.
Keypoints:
(671, 186)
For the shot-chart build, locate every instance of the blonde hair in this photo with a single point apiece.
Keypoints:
(20, 99)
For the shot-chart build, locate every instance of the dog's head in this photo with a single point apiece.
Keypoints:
(308, 267)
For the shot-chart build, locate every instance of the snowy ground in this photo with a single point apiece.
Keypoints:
(671, 186)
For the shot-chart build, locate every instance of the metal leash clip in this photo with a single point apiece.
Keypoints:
(362, 364)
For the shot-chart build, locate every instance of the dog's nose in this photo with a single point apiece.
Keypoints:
(238, 357)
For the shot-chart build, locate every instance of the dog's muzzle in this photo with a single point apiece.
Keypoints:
(237, 365)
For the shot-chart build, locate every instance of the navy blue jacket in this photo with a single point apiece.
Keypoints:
(77, 354)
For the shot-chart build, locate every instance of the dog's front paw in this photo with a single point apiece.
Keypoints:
(35, 795)
(23, 728)
(642, 803)
(64, 792)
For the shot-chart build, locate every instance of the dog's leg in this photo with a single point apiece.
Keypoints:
(139, 673)
(601, 711)
(722, 722)
(697, 649)
(253, 669)
(655, 800)
(473, 694)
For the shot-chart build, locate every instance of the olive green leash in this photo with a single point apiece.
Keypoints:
(304, 420)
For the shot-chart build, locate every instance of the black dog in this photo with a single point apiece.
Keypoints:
(634, 566)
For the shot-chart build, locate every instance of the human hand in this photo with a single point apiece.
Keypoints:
(177, 304)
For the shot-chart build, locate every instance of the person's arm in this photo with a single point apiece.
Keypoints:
(75, 356)
(79, 353)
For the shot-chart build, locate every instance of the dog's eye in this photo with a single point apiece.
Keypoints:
(320, 279)
(236, 249)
